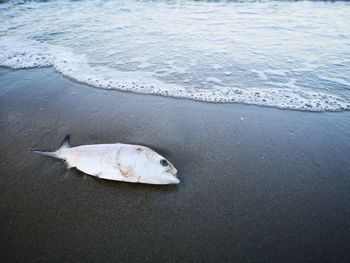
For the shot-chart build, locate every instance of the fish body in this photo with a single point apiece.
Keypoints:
(119, 162)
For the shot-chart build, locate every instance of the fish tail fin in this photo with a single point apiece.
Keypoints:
(47, 153)
(65, 144)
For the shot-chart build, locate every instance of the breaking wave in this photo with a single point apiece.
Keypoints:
(208, 70)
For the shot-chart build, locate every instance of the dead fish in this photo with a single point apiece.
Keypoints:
(119, 162)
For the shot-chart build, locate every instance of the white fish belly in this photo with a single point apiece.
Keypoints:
(102, 161)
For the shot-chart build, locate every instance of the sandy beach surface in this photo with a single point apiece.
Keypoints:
(257, 184)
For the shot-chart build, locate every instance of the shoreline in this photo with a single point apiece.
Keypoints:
(266, 103)
(185, 98)
(257, 183)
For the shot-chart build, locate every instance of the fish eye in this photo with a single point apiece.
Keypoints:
(164, 162)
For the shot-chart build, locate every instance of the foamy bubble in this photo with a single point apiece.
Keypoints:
(300, 64)
(17, 56)
(287, 95)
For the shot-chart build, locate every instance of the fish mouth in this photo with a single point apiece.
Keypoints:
(173, 178)
(177, 179)
(174, 172)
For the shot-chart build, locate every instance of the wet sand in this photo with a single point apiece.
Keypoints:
(257, 184)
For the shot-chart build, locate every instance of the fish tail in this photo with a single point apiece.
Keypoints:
(65, 144)
(47, 153)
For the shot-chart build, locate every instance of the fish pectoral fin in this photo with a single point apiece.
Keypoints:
(126, 171)
(127, 174)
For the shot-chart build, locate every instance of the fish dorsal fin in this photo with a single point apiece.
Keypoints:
(65, 144)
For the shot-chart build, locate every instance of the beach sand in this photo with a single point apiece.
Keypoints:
(257, 184)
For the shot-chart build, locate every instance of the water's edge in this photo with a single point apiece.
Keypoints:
(232, 66)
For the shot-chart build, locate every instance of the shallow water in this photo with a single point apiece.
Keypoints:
(293, 55)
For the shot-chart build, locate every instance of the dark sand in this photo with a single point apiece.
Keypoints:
(257, 184)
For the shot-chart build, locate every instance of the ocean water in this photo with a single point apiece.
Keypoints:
(289, 55)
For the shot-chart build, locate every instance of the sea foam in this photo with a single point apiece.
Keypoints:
(19, 55)
(148, 47)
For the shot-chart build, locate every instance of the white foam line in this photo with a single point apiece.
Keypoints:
(17, 55)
